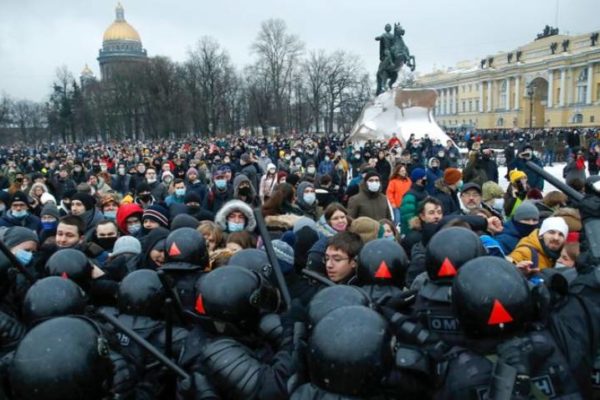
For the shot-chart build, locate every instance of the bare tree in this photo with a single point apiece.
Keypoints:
(278, 53)
(315, 69)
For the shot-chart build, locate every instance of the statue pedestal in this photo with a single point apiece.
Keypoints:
(400, 111)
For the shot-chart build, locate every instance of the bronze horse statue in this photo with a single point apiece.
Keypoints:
(393, 55)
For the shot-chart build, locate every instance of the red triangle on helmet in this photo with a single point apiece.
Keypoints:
(64, 275)
(447, 269)
(174, 250)
(499, 314)
(200, 305)
(383, 271)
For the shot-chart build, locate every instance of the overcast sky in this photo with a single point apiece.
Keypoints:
(38, 36)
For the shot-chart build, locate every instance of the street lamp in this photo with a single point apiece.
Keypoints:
(530, 93)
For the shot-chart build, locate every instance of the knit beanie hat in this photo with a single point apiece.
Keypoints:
(46, 197)
(192, 197)
(51, 210)
(285, 255)
(452, 175)
(17, 235)
(515, 175)
(367, 228)
(126, 244)
(305, 238)
(158, 214)
(526, 210)
(305, 221)
(192, 170)
(371, 173)
(554, 224)
(19, 196)
(491, 190)
(184, 221)
(417, 173)
(87, 200)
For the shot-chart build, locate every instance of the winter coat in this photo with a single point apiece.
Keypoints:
(526, 246)
(396, 190)
(125, 211)
(252, 199)
(575, 169)
(409, 206)
(252, 172)
(267, 184)
(432, 177)
(509, 237)
(535, 181)
(368, 204)
(216, 198)
(236, 205)
(446, 196)
(158, 190)
(474, 172)
(324, 228)
(30, 221)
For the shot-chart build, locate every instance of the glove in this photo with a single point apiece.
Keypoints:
(524, 354)
(124, 376)
(11, 330)
(196, 387)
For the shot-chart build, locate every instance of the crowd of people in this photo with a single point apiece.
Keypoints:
(403, 269)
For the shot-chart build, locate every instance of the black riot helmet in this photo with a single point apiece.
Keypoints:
(186, 245)
(235, 294)
(72, 264)
(382, 261)
(254, 260)
(52, 297)
(491, 297)
(448, 250)
(63, 358)
(349, 351)
(142, 293)
(333, 297)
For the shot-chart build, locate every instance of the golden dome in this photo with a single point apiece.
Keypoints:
(87, 71)
(120, 29)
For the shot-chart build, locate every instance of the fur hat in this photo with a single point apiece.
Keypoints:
(236, 205)
(367, 228)
(491, 190)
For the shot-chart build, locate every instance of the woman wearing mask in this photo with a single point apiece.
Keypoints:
(307, 201)
(267, 183)
(109, 205)
(334, 220)
(22, 242)
(399, 184)
(36, 192)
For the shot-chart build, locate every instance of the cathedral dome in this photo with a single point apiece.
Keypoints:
(120, 29)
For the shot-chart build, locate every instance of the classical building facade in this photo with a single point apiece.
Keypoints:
(553, 81)
(121, 45)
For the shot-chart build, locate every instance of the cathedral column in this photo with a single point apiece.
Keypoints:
(563, 89)
(588, 94)
(550, 89)
(489, 96)
(517, 92)
(480, 97)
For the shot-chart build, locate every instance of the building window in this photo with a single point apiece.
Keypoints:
(592, 118)
(464, 106)
(500, 122)
(477, 105)
(578, 118)
(503, 97)
(582, 85)
(470, 105)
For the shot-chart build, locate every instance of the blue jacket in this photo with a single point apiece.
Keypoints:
(509, 237)
(30, 221)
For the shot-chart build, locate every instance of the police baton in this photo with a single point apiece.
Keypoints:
(16, 263)
(568, 190)
(317, 277)
(143, 343)
(262, 229)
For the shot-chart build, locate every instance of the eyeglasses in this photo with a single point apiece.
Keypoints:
(335, 260)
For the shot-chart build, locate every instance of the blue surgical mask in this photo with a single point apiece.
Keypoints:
(180, 192)
(309, 198)
(49, 225)
(235, 226)
(220, 183)
(20, 214)
(24, 256)
(134, 228)
(110, 215)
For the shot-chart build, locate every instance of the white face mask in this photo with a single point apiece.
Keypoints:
(310, 170)
(374, 186)
(151, 180)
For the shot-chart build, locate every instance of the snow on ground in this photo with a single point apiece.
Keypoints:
(556, 170)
